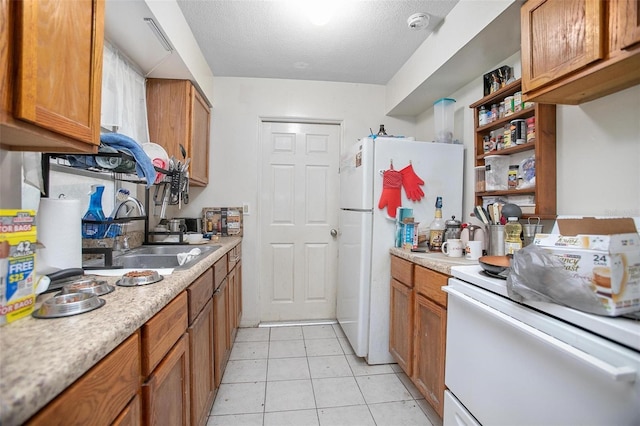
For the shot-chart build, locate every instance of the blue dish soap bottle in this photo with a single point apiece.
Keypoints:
(94, 230)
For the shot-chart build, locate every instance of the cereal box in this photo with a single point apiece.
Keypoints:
(17, 264)
(606, 253)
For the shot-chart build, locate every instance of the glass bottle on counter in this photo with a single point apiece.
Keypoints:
(436, 228)
(512, 231)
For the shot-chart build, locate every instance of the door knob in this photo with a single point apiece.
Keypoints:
(334, 233)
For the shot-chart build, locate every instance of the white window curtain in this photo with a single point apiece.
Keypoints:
(124, 102)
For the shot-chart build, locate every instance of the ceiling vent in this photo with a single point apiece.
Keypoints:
(418, 21)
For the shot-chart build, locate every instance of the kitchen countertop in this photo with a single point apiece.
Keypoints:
(432, 260)
(39, 358)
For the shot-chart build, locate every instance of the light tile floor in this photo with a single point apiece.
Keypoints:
(308, 375)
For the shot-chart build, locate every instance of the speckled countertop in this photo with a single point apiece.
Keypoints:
(433, 260)
(39, 358)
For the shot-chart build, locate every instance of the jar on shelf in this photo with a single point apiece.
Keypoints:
(531, 129)
(494, 112)
(512, 176)
(508, 106)
(507, 143)
(482, 116)
(501, 110)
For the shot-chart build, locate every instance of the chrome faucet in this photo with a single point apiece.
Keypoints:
(128, 209)
(121, 245)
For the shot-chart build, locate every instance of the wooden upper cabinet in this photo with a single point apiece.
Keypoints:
(558, 38)
(624, 20)
(179, 115)
(575, 51)
(199, 141)
(51, 77)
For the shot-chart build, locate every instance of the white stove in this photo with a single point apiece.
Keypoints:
(513, 363)
(622, 330)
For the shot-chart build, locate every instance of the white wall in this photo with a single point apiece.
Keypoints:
(598, 154)
(240, 103)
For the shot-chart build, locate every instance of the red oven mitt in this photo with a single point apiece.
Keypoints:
(391, 197)
(411, 183)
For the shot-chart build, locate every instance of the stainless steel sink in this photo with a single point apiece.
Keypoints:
(172, 249)
(160, 256)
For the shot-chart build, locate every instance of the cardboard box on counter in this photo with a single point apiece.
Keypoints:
(605, 252)
(223, 221)
(17, 264)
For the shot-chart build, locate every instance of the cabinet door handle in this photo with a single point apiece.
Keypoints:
(618, 374)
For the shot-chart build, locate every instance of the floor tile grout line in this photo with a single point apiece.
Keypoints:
(266, 378)
(313, 389)
(351, 368)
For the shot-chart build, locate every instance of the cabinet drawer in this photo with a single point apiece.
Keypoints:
(402, 270)
(101, 394)
(199, 293)
(162, 331)
(429, 283)
(220, 271)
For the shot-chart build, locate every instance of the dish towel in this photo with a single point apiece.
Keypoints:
(188, 257)
(144, 166)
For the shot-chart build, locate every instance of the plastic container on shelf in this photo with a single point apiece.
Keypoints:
(443, 113)
(496, 172)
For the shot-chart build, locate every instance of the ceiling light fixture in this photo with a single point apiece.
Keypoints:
(161, 37)
(319, 12)
(418, 21)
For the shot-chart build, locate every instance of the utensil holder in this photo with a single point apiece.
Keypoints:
(496, 240)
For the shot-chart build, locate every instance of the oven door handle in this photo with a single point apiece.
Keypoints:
(618, 374)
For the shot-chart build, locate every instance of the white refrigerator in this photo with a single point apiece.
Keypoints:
(367, 232)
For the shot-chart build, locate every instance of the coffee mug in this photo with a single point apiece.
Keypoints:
(473, 250)
(452, 248)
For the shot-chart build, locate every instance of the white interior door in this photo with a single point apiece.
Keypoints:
(299, 210)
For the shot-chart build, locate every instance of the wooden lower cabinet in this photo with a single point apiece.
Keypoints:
(418, 324)
(232, 318)
(220, 332)
(428, 366)
(168, 372)
(165, 365)
(201, 362)
(102, 395)
(401, 337)
(238, 293)
(165, 394)
(131, 415)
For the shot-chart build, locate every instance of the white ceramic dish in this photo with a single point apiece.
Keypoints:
(158, 156)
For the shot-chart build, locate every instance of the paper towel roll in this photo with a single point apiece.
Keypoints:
(60, 230)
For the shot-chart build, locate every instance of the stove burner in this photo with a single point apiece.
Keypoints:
(492, 275)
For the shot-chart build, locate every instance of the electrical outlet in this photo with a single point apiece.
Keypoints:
(245, 209)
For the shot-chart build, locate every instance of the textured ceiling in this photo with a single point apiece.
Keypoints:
(366, 41)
